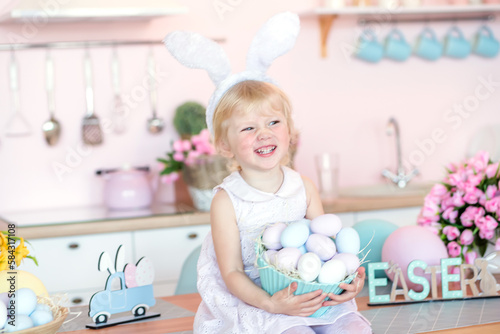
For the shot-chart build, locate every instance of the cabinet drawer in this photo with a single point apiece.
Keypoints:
(168, 248)
(70, 263)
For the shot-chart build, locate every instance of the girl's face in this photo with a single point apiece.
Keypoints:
(257, 140)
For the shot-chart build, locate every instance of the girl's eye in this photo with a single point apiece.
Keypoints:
(247, 129)
(274, 122)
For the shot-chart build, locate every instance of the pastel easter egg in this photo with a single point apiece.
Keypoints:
(22, 322)
(333, 271)
(43, 307)
(145, 272)
(309, 266)
(41, 317)
(272, 236)
(351, 261)
(3, 314)
(287, 259)
(321, 245)
(327, 224)
(303, 249)
(4, 296)
(24, 300)
(270, 256)
(347, 241)
(130, 272)
(295, 234)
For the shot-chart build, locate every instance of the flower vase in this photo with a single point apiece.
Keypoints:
(202, 176)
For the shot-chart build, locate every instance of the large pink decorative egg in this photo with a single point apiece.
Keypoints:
(410, 243)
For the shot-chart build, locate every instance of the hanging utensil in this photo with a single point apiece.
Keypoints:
(91, 128)
(118, 115)
(51, 128)
(155, 124)
(17, 125)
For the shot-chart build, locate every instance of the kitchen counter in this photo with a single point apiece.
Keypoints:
(91, 220)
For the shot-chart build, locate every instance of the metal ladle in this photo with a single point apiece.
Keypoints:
(51, 128)
(155, 124)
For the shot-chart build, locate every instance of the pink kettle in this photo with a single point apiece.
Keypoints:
(127, 187)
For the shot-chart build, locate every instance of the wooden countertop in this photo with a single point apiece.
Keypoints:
(191, 302)
(182, 215)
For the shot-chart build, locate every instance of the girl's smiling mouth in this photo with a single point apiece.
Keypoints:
(265, 150)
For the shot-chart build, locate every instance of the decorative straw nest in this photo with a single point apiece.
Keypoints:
(273, 280)
(59, 313)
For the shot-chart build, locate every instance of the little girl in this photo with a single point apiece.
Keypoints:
(252, 125)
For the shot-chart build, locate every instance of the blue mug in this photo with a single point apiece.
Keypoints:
(396, 46)
(485, 43)
(456, 46)
(428, 46)
(369, 48)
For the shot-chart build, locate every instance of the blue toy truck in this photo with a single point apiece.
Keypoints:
(104, 303)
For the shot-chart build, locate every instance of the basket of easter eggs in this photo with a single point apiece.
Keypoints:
(318, 254)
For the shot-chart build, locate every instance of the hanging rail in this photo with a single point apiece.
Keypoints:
(81, 44)
(401, 18)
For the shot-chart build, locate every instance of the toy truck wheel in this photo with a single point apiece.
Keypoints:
(140, 310)
(101, 317)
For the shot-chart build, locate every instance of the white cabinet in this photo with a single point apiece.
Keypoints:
(168, 249)
(68, 265)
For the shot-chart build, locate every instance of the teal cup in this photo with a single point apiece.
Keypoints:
(369, 49)
(485, 43)
(396, 46)
(456, 46)
(428, 47)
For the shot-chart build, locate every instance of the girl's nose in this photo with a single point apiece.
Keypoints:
(264, 133)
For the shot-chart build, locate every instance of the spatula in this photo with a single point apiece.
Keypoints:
(91, 128)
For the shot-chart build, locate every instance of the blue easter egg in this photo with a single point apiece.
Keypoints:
(295, 234)
(347, 241)
(21, 321)
(24, 300)
(41, 317)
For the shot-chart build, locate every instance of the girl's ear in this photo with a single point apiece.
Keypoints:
(225, 149)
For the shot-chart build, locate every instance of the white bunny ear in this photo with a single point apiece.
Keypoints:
(196, 51)
(276, 37)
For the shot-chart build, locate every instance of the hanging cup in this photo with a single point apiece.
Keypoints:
(456, 46)
(368, 48)
(428, 46)
(396, 46)
(485, 43)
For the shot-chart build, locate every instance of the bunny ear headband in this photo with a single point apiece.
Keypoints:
(276, 37)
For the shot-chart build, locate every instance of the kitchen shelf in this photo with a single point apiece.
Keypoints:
(327, 16)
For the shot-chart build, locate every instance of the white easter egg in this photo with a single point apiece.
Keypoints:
(333, 271)
(3, 314)
(270, 256)
(41, 317)
(321, 245)
(351, 261)
(145, 272)
(347, 241)
(327, 224)
(295, 234)
(272, 236)
(309, 266)
(21, 322)
(287, 259)
(24, 300)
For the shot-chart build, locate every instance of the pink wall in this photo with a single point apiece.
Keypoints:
(341, 104)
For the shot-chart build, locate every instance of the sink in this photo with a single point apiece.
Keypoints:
(387, 190)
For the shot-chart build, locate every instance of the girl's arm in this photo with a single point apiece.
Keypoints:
(314, 209)
(227, 245)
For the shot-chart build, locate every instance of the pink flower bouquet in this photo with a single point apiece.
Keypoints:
(187, 152)
(464, 209)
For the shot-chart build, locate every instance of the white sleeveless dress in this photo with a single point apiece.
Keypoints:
(220, 311)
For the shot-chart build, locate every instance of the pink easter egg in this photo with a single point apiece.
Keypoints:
(327, 224)
(129, 272)
(321, 245)
(145, 272)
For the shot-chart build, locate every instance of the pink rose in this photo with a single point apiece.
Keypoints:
(471, 215)
(471, 196)
(474, 180)
(491, 191)
(453, 249)
(486, 234)
(467, 237)
(492, 170)
(438, 190)
(178, 146)
(480, 161)
(470, 257)
(493, 204)
(451, 232)
(430, 209)
(489, 223)
(450, 214)
(457, 198)
(178, 156)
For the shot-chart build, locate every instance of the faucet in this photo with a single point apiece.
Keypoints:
(401, 178)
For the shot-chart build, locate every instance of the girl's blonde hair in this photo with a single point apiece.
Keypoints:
(248, 97)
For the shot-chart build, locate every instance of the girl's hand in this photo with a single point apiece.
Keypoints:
(351, 290)
(285, 302)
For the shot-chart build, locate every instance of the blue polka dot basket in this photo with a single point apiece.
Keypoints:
(273, 281)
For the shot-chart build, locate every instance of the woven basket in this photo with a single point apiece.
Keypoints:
(60, 313)
(273, 281)
(206, 173)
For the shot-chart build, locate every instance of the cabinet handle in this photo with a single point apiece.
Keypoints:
(193, 235)
(77, 300)
(73, 245)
